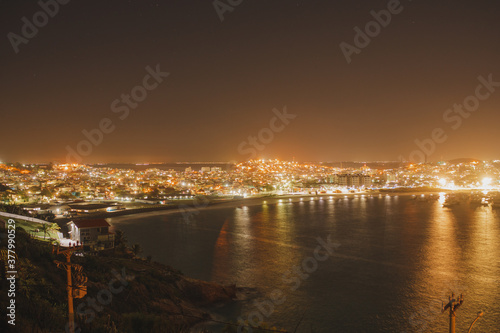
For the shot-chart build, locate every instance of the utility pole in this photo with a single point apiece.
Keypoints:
(79, 289)
(453, 306)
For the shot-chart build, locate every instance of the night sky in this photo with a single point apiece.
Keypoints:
(226, 77)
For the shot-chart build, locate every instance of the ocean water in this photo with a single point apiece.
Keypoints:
(394, 262)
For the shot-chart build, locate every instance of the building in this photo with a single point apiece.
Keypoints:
(37, 208)
(354, 180)
(60, 210)
(94, 235)
(367, 181)
(151, 201)
(85, 208)
(344, 180)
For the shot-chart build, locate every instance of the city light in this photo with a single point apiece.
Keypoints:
(253, 178)
(486, 181)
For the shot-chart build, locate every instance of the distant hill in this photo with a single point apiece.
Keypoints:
(358, 165)
(463, 160)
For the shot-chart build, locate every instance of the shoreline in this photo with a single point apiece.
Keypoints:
(252, 201)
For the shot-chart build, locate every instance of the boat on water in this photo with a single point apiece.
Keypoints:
(425, 198)
(479, 201)
(422, 198)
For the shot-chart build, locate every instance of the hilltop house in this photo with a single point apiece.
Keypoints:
(94, 234)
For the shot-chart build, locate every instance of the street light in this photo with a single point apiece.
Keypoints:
(479, 315)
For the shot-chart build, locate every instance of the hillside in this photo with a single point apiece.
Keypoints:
(125, 294)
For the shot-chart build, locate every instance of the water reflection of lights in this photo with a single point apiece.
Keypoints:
(442, 197)
(242, 216)
(439, 260)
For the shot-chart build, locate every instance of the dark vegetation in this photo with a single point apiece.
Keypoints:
(155, 297)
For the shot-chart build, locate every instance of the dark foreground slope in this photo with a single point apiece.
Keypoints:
(125, 294)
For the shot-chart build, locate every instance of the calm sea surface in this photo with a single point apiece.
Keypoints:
(398, 259)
